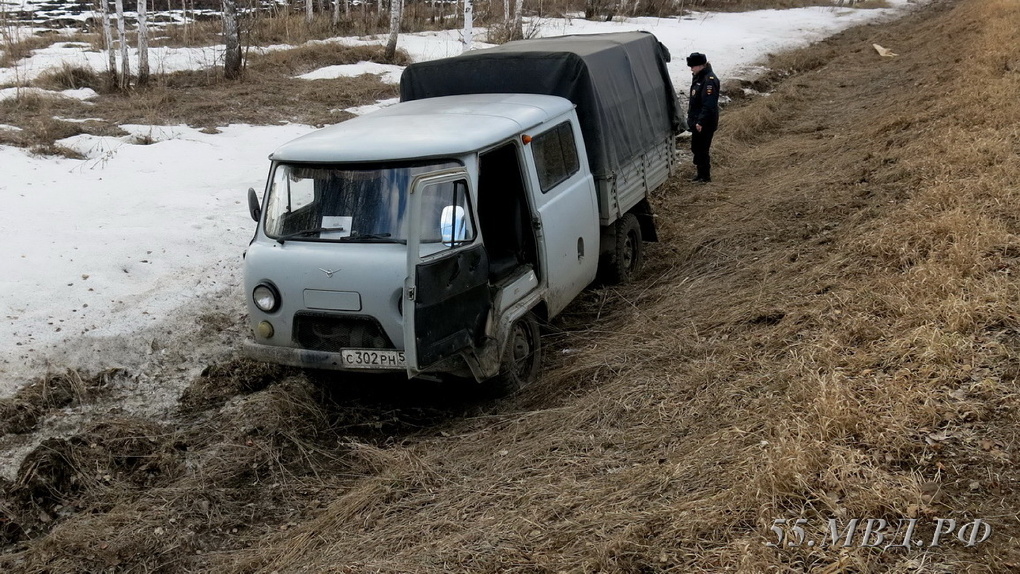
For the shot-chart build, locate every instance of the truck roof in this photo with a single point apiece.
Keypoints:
(433, 127)
(619, 81)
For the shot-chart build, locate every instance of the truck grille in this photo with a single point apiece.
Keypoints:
(321, 332)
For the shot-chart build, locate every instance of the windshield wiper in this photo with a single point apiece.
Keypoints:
(307, 232)
(365, 237)
(372, 237)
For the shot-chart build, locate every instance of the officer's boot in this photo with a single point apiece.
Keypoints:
(704, 173)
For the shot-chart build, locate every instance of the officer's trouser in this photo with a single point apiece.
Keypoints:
(700, 144)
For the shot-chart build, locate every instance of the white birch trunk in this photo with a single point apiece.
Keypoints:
(232, 40)
(309, 14)
(396, 8)
(125, 63)
(108, 38)
(184, 18)
(143, 43)
(336, 12)
(517, 32)
(468, 25)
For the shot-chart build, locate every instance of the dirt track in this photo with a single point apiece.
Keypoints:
(829, 330)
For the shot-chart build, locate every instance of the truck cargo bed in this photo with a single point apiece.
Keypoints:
(626, 105)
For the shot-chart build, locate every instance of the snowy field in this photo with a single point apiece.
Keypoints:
(101, 253)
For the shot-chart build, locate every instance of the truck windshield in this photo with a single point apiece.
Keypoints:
(346, 203)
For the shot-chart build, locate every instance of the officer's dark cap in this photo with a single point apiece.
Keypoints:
(697, 59)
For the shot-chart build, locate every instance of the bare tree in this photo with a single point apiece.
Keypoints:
(517, 32)
(125, 64)
(184, 18)
(232, 39)
(396, 8)
(309, 5)
(143, 43)
(108, 38)
(468, 25)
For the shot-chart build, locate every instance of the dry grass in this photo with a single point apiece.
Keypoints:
(70, 77)
(20, 413)
(744, 5)
(201, 33)
(830, 330)
(17, 49)
(15, 46)
(269, 94)
(37, 116)
(605, 9)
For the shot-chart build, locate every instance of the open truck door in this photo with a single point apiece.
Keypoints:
(446, 299)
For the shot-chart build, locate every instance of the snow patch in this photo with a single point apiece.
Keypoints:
(388, 73)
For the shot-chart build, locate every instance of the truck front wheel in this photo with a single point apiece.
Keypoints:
(522, 358)
(628, 251)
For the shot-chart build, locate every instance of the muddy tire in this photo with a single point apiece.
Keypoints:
(628, 252)
(522, 358)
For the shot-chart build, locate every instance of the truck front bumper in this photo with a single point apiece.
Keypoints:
(308, 359)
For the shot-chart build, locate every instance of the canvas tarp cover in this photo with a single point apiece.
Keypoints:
(619, 83)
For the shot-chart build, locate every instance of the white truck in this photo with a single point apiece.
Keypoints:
(432, 236)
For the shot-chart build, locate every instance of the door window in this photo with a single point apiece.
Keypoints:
(446, 216)
(555, 156)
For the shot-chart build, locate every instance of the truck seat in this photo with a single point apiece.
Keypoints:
(502, 266)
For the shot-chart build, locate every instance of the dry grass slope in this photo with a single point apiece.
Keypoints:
(831, 332)
(828, 331)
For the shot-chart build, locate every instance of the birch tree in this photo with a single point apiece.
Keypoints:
(516, 33)
(125, 65)
(506, 18)
(143, 43)
(309, 5)
(468, 25)
(108, 38)
(396, 8)
(232, 40)
(184, 18)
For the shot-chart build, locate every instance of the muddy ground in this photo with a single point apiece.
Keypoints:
(828, 331)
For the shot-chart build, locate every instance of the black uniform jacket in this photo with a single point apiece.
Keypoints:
(704, 103)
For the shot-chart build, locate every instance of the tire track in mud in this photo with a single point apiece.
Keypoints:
(249, 448)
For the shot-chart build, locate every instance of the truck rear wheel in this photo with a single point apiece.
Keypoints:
(522, 359)
(628, 251)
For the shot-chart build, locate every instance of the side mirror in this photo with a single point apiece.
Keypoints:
(253, 205)
(453, 224)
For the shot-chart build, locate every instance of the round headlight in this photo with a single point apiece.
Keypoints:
(265, 298)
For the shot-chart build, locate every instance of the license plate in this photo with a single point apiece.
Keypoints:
(372, 359)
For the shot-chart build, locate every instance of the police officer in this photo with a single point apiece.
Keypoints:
(702, 113)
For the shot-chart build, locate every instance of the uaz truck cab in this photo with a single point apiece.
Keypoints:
(431, 237)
